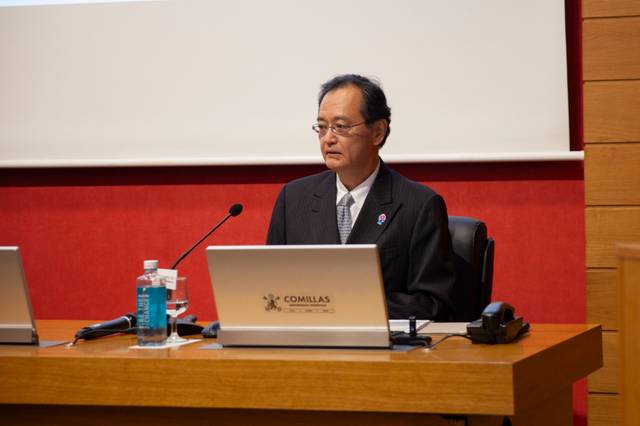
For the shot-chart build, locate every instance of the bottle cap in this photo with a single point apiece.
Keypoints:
(150, 264)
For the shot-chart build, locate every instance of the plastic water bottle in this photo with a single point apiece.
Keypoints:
(152, 306)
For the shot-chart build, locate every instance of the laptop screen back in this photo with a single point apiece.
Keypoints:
(16, 318)
(312, 295)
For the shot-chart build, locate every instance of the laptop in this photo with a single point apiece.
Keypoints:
(305, 295)
(16, 316)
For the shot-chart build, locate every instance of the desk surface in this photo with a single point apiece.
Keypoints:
(456, 377)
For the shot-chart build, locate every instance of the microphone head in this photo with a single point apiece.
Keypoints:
(132, 318)
(235, 209)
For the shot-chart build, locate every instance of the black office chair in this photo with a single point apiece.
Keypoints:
(473, 256)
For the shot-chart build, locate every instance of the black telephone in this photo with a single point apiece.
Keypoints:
(498, 324)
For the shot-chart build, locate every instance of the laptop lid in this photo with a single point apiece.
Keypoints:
(306, 295)
(16, 316)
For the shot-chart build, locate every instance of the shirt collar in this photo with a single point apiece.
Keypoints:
(360, 192)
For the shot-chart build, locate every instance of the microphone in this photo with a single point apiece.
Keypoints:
(119, 325)
(234, 210)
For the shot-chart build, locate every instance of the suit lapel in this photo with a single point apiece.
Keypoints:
(324, 226)
(377, 212)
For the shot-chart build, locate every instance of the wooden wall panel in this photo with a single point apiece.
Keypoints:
(611, 117)
(612, 174)
(612, 111)
(603, 410)
(607, 380)
(611, 49)
(600, 8)
(602, 298)
(607, 226)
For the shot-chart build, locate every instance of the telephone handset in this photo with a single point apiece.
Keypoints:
(498, 324)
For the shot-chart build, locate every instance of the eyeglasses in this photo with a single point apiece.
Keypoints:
(336, 129)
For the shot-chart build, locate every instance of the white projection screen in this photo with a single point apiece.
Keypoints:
(207, 82)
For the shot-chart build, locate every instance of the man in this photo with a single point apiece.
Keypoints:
(359, 200)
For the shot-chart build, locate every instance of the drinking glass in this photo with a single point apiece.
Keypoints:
(177, 303)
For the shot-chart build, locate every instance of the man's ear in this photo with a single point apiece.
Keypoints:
(379, 131)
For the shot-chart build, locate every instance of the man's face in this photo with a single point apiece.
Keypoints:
(356, 150)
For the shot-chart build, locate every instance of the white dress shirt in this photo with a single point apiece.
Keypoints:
(359, 193)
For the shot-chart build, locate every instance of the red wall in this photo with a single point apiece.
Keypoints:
(84, 232)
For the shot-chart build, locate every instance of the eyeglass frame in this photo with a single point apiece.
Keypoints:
(342, 130)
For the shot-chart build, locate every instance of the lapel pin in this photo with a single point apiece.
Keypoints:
(381, 219)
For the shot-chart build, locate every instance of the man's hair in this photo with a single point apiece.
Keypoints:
(374, 102)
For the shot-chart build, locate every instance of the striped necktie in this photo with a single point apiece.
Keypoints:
(343, 211)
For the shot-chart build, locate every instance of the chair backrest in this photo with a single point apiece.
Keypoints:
(473, 253)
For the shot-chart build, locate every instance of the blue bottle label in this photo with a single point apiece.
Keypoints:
(152, 307)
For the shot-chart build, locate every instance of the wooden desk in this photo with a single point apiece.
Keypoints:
(103, 382)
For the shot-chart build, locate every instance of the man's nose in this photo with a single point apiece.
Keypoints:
(329, 137)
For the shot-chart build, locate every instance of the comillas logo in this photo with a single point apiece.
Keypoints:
(272, 303)
(299, 303)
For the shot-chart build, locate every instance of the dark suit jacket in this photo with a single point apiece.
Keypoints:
(414, 241)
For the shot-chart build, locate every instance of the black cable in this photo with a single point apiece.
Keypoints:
(433, 345)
